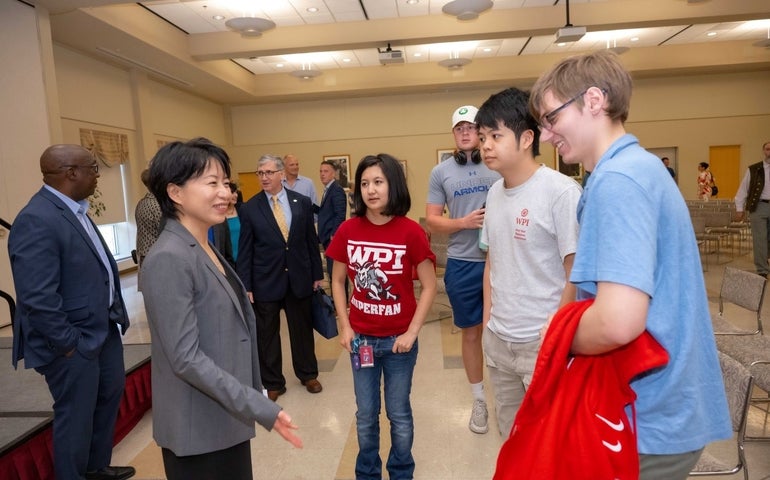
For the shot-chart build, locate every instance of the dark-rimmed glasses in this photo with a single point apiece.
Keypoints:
(266, 173)
(94, 167)
(546, 121)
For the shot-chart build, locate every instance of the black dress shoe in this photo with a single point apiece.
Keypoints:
(111, 473)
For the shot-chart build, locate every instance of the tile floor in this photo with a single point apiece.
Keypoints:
(444, 447)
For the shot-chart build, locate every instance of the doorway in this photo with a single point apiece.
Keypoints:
(725, 163)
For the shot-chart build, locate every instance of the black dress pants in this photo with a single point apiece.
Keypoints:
(300, 323)
(232, 463)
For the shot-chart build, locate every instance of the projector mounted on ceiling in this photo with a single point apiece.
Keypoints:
(569, 33)
(389, 56)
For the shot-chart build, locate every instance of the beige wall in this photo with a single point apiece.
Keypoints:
(97, 95)
(690, 113)
(24, 121)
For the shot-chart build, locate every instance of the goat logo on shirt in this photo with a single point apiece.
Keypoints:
(373, 263)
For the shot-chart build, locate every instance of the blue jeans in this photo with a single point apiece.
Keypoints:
(396, 369)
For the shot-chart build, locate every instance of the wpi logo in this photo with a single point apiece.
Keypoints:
(387, 256)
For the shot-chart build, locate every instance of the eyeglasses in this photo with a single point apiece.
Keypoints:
(469, 128)
(546, 121)
(266, 173)
(94, 167)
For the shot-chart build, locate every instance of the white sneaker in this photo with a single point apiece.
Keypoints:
(478, 422)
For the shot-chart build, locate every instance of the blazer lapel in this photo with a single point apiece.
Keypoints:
(73, 220)
(176, 227)
(266, 208)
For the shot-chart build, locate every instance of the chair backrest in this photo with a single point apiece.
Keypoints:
(698, 222)
(742, 288)
(738, 383)
(718, 219)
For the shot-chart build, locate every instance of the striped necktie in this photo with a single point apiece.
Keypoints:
(280, 218)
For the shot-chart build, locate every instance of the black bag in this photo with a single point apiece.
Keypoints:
(714, 188)
(324, 314)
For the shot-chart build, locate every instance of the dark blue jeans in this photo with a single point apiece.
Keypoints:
(396, 370)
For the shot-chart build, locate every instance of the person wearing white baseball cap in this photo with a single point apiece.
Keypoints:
(461, 185)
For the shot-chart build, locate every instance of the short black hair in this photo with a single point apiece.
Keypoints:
(511, 107)
(399, 200)
(332, 164)
(177, 162)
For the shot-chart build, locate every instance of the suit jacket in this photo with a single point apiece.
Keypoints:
(331, 212)
(206, 385)
(62, 286)
(268, 265)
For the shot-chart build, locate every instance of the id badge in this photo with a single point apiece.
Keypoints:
(366, 353)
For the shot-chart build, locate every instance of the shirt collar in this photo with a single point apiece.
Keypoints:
(75, 206)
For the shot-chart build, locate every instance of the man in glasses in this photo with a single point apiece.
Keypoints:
(280, 266)
(461, 184)
(630, 215)
(70, 313)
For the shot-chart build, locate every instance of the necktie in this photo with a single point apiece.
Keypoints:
(280, 218)
(98, 246)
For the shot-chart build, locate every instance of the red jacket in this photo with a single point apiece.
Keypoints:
(572, 422)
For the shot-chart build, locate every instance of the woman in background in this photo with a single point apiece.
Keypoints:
(380, 249)
(225, 235)
(705, 180)
(207, 390)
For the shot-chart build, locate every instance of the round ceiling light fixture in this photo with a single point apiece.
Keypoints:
(466, 9)
(307, 72)
(250, 26)
(455, 63)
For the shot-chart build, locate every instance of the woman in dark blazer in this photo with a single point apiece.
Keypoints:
(207, 390)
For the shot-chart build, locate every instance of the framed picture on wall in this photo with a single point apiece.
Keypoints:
(343, 162)
(444, 153)
(574, 170)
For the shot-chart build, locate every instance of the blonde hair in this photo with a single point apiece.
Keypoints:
(577, 74)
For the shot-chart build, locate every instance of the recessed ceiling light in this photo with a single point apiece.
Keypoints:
(487, 49)
(634, 39)
(412, 2)
(312, 9)
(560, 44)
(218, 17)
(711, 34)
(418, 54)
(346, 60)
(279, 65)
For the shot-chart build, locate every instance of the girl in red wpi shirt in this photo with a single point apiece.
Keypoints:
(379, 249)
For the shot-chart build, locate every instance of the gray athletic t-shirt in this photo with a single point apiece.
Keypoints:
(462, 188)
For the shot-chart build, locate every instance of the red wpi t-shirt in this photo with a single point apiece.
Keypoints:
(380, 260)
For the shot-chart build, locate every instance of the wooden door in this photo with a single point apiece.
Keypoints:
(725, 163)
(250, 184)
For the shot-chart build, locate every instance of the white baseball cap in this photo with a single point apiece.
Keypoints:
(466, 113)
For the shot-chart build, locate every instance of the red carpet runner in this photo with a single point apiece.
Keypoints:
(33, 458)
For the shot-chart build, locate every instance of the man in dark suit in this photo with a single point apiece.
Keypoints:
(69, 311)
(331, 212)
(280, 266)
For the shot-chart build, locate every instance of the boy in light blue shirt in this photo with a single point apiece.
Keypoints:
(638, 257)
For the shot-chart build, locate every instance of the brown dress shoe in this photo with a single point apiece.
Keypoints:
(274, 394)
(313, 385)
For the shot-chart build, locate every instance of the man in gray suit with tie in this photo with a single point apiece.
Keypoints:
(69, 312)
(280, 265)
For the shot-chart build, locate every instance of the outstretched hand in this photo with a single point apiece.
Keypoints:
(284, 428)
